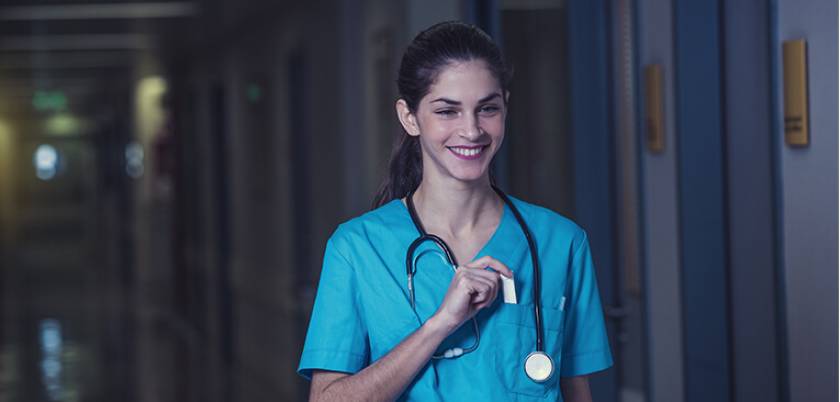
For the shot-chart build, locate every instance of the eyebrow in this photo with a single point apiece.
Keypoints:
(454, 102)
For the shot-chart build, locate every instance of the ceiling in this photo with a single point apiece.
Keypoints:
(85, 48)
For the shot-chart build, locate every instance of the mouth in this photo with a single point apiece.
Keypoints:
(468, 152)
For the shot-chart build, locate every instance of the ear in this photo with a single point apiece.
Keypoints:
(407, 118)
(507, 97)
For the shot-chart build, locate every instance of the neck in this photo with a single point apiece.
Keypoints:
(456, 208)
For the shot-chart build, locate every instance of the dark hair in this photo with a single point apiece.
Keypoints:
(431, 50)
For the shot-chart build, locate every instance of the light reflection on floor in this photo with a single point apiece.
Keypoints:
(51, 360)
(52, 349)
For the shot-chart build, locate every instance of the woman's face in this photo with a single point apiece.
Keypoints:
(461, 122)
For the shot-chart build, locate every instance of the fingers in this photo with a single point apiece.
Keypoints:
(471, 289)
(485, 299)
(487, 290)
(482, 286)
(492, 263)
(475, 283)
(477, 269)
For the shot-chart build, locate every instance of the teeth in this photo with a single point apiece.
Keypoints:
(467, 151)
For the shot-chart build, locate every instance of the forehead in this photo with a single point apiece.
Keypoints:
(464, 81)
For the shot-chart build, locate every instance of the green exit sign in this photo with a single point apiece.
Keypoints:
(49, 101)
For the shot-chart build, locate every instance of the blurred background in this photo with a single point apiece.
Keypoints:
(171, 170)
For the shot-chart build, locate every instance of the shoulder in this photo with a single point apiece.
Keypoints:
(367, 226)
(548, 225)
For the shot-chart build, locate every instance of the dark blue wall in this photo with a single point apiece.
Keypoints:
(757, 348)
(593, 147)
(702, 194)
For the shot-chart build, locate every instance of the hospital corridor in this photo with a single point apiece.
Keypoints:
(171, 172)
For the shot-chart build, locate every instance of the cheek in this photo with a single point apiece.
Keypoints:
(436, 131)
(494, 126)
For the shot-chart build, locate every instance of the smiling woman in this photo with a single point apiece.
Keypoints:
(372, 337)
(463, 115)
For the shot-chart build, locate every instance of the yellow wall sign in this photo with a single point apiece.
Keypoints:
(795, 92)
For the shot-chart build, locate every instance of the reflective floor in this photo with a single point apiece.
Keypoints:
(65, 343)
(73, 342)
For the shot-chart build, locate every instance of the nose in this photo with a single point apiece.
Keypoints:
(472, 130)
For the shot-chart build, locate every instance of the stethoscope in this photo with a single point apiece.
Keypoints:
(538, 365)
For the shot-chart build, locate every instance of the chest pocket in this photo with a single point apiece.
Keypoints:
(517, 339)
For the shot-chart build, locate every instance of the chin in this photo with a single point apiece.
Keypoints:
(470, 177)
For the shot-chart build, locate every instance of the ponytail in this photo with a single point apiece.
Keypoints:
(405, 171)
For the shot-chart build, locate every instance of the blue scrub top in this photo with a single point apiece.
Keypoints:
(362, 307)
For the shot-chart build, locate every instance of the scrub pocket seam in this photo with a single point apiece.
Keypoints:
(520, 318)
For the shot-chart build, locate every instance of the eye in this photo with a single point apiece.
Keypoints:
(489, 109)
(446, 112)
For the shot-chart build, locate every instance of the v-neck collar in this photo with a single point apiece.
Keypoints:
(502, 229)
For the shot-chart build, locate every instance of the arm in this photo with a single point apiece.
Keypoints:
(472, 288)
(385, 379)
(575, 389)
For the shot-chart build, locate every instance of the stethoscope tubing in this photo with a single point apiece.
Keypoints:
(451, 257)
(535, 264)
(409, 263)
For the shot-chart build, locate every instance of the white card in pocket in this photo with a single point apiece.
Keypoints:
(508, 290)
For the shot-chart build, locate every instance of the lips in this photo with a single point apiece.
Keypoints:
(468, 152)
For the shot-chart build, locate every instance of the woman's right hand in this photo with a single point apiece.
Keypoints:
(472, 288)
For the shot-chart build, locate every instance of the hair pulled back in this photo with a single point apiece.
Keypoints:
(428, 54)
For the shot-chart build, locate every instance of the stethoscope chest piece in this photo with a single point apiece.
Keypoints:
(538, 366)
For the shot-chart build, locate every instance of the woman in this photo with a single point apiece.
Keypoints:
(377, 333)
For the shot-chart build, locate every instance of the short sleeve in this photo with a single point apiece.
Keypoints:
(586, 348)
(337, 339)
